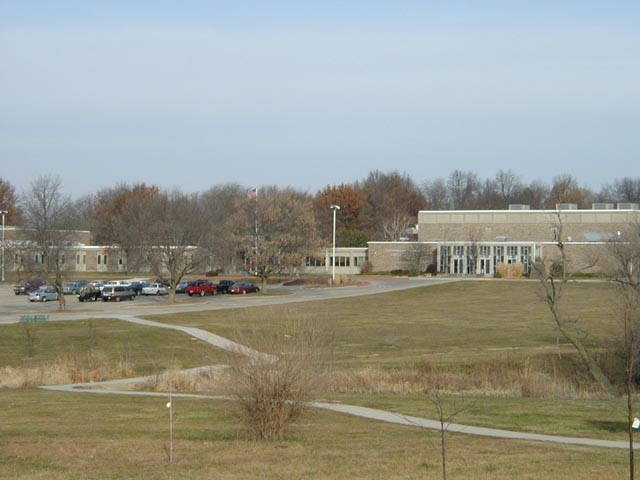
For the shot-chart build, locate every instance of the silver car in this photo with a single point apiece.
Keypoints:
(73, 288)
(43, 295)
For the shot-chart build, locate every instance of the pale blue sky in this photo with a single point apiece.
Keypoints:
(193, 94)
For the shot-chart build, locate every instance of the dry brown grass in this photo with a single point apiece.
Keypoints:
(70, 367)
(176, 380)
(509, 378)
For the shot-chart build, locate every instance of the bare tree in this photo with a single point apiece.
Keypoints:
(388, 195)
(553, 283)
(436, 194)
(535, 194)
(48, 220)
(626, 189)
(219, 238)
(463, 189)
(565, 189)
(625, 274)
(396, 227)
(508, 185)
(178, 235)
(275, 231)
(446, 414)
(9, 202)
(272, 387)
(123, 216)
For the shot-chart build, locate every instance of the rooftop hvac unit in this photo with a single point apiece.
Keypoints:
(628, 206)
(566, 206)
(501, 238)
(603, 206)
(519, 207)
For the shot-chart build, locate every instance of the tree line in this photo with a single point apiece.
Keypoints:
(271, 228)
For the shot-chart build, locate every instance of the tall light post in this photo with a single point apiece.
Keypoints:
(3, 213)
(335, 208)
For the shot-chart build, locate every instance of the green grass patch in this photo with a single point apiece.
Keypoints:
(148, 349)
(458, 322)
(588, 418)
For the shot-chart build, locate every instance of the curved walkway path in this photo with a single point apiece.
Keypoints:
(110, 387)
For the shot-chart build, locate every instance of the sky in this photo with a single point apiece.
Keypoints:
(192, 94)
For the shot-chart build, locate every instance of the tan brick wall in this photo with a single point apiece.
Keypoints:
(387, 256)
(520, 226)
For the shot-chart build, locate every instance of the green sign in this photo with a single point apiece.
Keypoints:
(34, 318)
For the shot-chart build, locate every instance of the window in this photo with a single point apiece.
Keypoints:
(458, 250)
(445, 253)
(525, 259)
(99, 259)
(77, 259)
(483, 251)
(314, 262)
(341, 261)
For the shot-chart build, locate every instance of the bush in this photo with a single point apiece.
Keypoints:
(271, 389)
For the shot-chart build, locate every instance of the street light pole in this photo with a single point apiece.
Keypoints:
(335, 208)
(3, 213)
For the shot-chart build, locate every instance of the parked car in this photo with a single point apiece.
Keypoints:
(28, 286)
(202, 288)
(154, 289)
(138, 286)
(182, 286)
(125, 283)
(117, 293)
(223, 286)
(243, 287)
(73, 287)
(43, 294)
(97, 283)
(89, 293)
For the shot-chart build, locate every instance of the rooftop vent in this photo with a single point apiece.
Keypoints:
(566, 206)
(628, 206)
(518, 206)
(603, 206)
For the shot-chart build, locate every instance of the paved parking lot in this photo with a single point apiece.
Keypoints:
(13, 306)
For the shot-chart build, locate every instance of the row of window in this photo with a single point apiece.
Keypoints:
(341, 261)
(469, 259)
(80, 259)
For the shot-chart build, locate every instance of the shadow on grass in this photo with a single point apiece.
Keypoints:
(608, 426)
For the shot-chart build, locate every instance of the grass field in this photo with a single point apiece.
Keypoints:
(460, 323)
(81, 436)
(453, 327)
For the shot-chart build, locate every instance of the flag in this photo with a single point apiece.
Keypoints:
(253, 193)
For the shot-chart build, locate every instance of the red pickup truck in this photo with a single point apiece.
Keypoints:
(202, 288)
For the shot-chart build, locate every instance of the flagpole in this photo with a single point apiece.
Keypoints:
(256, 237)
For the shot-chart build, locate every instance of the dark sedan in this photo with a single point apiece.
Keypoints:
(224, 285)
(243, 287)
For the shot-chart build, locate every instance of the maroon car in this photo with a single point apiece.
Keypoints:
(243, 287)
(28, 286)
